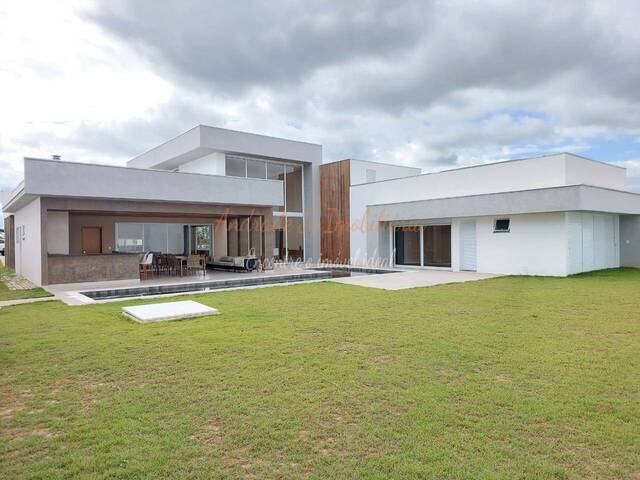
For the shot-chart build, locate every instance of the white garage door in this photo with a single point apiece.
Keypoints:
(469, 246)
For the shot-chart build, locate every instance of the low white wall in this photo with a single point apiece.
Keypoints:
(29, 242)
(535, 245)
(58, 232)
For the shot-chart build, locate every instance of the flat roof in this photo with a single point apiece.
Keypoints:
(372, 161)
(513, 160)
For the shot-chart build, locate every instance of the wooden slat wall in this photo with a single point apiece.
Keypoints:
(335, 179)
(9, 242)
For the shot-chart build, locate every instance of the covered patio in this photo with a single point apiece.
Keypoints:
(91, 241)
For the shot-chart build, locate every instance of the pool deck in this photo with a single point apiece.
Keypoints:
(413, 279)
(217, 280)
(70, 293)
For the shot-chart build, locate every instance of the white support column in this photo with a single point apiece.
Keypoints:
(422, 246)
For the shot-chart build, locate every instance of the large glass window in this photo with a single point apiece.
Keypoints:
(293, 188)
(275, 171)
(288, 217)
(155, 237)
(256, 168)
(235, 166)
(145, 237)
(437, 245)
(407, 245)
(130, 237)
(175, 238)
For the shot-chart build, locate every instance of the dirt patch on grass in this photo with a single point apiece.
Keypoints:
(22, 433)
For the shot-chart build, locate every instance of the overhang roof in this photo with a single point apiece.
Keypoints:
(202, 140)
(54, 178)
(540, 200)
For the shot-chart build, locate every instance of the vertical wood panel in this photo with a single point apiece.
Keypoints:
(9, 242)
(335, 179)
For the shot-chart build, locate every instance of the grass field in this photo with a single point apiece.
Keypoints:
(6, 294)
(508, 378)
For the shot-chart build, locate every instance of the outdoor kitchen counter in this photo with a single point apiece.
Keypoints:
(92, 268)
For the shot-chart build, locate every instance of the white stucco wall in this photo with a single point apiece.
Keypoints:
(58, 232)
(582, 171)
(28, 244)
(212, 164)
(383, 171)
(535, 245)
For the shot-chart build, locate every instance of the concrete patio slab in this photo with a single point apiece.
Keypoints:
(413, 279)
(161, 312)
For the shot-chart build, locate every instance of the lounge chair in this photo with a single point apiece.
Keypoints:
(246, 263)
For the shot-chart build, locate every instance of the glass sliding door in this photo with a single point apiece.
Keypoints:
(437, 245)
(200, 240)
(295, 239)
(407, 242)
(279, 253)
(423, 246)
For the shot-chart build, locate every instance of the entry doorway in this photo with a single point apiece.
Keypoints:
(91, 239)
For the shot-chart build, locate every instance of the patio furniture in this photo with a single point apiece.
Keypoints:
(245, 263)
(175, 265)
(196, 263)
(145, 267)
(163, 264)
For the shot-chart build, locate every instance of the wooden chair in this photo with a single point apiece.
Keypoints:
(176, 266)
(195, 263)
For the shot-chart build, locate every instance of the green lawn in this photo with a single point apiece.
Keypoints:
(6, 294)
(505, 378)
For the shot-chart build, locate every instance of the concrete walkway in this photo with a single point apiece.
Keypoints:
(413, 279)
(8, 303)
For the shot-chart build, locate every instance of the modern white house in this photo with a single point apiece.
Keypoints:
(554, 215)
(210, 191)
(222, 193)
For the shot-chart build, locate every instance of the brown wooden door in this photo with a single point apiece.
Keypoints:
(91, 240)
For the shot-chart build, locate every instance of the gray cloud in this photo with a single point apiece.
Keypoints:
(233, 46)
(432, 84)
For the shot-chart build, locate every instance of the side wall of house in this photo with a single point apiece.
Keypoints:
(536, 244)
(28, 242)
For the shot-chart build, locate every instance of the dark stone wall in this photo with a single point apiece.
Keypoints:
(92, 268)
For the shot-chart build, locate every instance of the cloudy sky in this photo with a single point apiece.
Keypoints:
(429, 84)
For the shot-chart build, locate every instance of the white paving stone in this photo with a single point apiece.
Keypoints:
(159, 312)
(412, 279)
